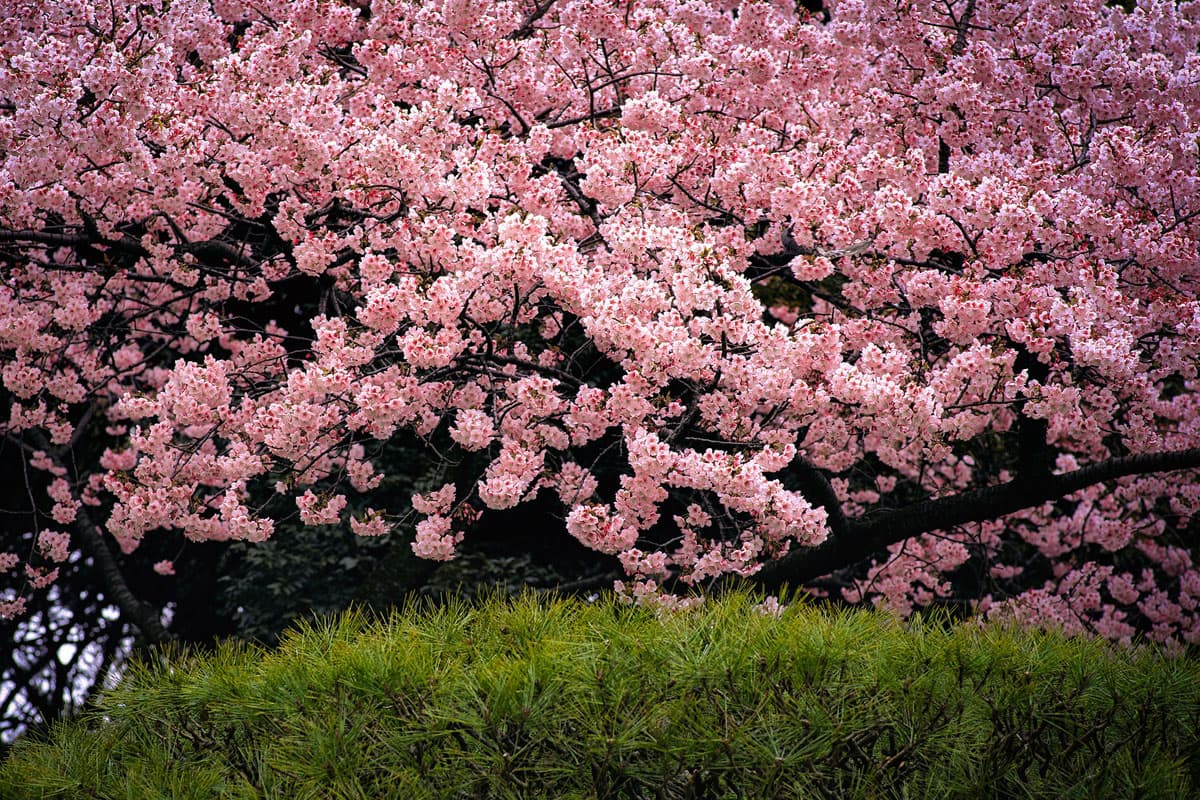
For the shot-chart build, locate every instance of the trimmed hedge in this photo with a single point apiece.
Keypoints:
(563, 699)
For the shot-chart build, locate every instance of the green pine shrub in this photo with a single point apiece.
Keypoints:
(536, 698)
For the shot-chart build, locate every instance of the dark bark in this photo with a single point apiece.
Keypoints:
(133, 610)
(94, 540)
(851, 541)
(527, 28)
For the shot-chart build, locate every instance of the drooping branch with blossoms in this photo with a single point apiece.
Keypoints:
(901, 304)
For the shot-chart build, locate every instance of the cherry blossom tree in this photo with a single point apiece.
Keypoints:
(897, 301)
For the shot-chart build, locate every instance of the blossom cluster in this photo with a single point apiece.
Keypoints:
(653, 257)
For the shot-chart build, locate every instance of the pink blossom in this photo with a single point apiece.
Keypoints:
(315, 510)
(435, 540)
(54, 545)
(371, 524)
(472, 429)
(722, 301)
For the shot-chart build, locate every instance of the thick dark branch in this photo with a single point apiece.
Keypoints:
(71, 240)
(861, 537)
(943, 166)
(817, 489)
(963, 24)
(209, 249)
(136, 612)
(526, 28)
(1035, 458)
(215, 248)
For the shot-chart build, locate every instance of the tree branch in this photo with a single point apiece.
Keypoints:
(861, 537)
(30, 236)
(144, 616)
(526, 28)
(140, 614)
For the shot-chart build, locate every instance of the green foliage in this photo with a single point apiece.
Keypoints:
(304, 571)
(299, 572)
(535, 698)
